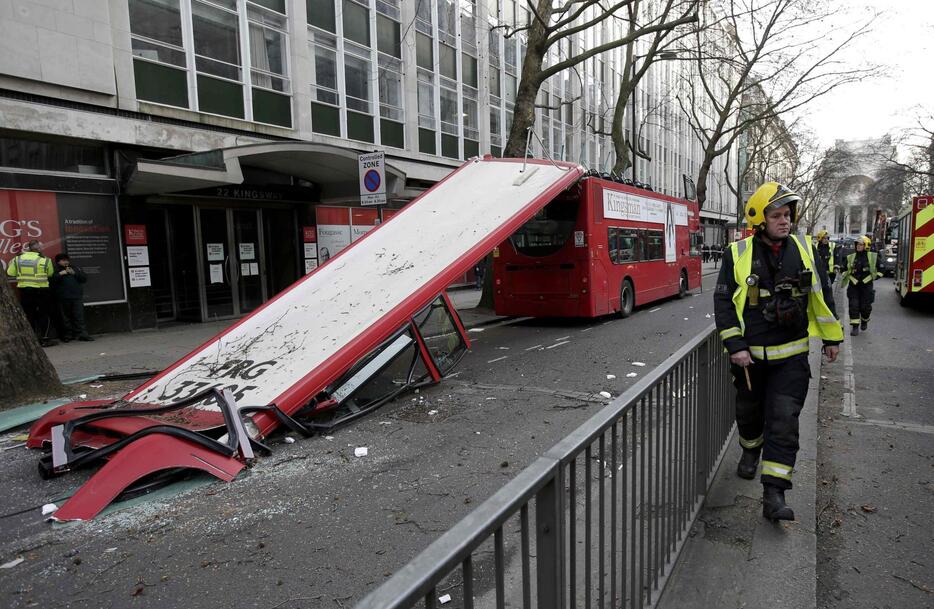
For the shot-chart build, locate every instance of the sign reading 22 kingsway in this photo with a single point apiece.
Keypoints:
(625, 206)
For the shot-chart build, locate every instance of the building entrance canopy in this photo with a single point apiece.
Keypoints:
(334, 170)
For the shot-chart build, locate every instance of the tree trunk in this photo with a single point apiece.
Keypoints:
(531, 81)
(702, 174)
(25, 371)
(620, 144)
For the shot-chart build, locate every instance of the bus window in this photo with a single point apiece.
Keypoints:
(626, 245)
(548, 230)
(654, 244)
(612, 245)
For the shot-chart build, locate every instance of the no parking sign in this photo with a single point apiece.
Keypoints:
(372, 178)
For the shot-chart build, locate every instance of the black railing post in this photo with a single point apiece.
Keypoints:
(702, 418)
(549, 559)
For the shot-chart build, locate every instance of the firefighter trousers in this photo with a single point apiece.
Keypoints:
(767, 416)
(861, 297)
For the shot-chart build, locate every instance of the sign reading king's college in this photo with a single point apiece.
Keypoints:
(83, 226)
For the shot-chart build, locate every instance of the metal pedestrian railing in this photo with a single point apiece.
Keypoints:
(600, 519)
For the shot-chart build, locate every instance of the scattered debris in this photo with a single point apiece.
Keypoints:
(109, 550)
(632, 375)
(685, 319)
(360, 451)
(444, 599)
(289, 440)
(610, 377)
(385, 422)
(328, 438)
(489, 398)
(82, 396)
(96, 386)
(503, 348)
(640, 364)
(475, 330)
(606, 394)
(12, 563)
(868, 508)
(432, 412)
(707, 316)
(48, 508)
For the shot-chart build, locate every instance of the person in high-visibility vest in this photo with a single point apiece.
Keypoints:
(859, 274)
(32, 271)
(770, 298)
(826, 253)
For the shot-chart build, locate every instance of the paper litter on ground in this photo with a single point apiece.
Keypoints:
(444, 599)
(606, 394)
(12, 563)
(631, 375)
(48, 508)
(360, 451)
(638, 364)
(610, 377)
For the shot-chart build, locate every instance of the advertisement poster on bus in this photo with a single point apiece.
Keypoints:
(625, 206)
(84, 226)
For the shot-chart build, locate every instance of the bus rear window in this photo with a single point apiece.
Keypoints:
(548, 230)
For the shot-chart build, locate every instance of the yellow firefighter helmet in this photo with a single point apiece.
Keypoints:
(770, 196)
(821, 234)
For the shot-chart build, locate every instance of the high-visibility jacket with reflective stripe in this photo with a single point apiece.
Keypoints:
(31, 270)
(873, 274)
(821, 319)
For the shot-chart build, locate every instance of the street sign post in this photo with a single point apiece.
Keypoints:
(372, 178)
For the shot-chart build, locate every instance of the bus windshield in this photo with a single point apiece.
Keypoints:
(548, 230)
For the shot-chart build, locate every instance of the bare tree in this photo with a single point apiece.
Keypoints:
(662, 45)
(25, 371)
(782, 48)
(549, 25)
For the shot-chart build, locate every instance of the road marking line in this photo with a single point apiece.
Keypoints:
(557, 344)
(562, 338)
(587, 329)
(927, 429)
(535, 347)
(849, 381)
(497, 359)
(658, 309)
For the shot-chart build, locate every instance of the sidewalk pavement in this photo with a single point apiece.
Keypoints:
(710, 268)
(733, 557)
(155, 349)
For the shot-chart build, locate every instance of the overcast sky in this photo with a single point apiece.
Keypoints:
(903, 40)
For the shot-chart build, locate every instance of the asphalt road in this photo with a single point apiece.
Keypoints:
(314, 526)
(876, 464)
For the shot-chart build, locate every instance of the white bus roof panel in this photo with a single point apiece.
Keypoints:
(284, 352)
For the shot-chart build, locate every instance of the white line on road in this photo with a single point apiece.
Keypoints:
(557, 344)
(562, 338)
(587, 329)
(497, 359)
(849, 381)
(657, 309)
(535, 347)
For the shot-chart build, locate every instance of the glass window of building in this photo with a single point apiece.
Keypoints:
(468, 13)
(216, 32)
(321, 14)
(269, 63)
(426, 112)
(447, 20)
(356, 19)
(159, 60)
(325, 112)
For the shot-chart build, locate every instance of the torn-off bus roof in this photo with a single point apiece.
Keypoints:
(288, 351)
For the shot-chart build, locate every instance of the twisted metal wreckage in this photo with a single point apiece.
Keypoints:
(328, 349)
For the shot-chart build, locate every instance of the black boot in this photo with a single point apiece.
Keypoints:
(855, 330)
(864, 324)
(748, 463)
(773, 504)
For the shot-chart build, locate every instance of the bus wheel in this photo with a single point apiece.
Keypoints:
(627, 299)
(683, 284)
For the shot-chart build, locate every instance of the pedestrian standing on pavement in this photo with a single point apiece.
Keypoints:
(827, 255)
(68, 286)
(859, 276)
(32, 271)
(770, 297)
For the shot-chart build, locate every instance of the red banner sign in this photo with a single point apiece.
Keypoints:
(134, 234)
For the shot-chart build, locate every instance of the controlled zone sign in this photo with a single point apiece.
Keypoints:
(372, 178)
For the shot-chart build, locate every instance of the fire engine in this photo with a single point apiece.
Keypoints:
(914, 271)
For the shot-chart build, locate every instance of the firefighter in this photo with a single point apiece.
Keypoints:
(32, 271)
(827, 255)
(770, 297)
(859, 274)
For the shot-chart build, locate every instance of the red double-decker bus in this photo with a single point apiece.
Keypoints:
(600, 247)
